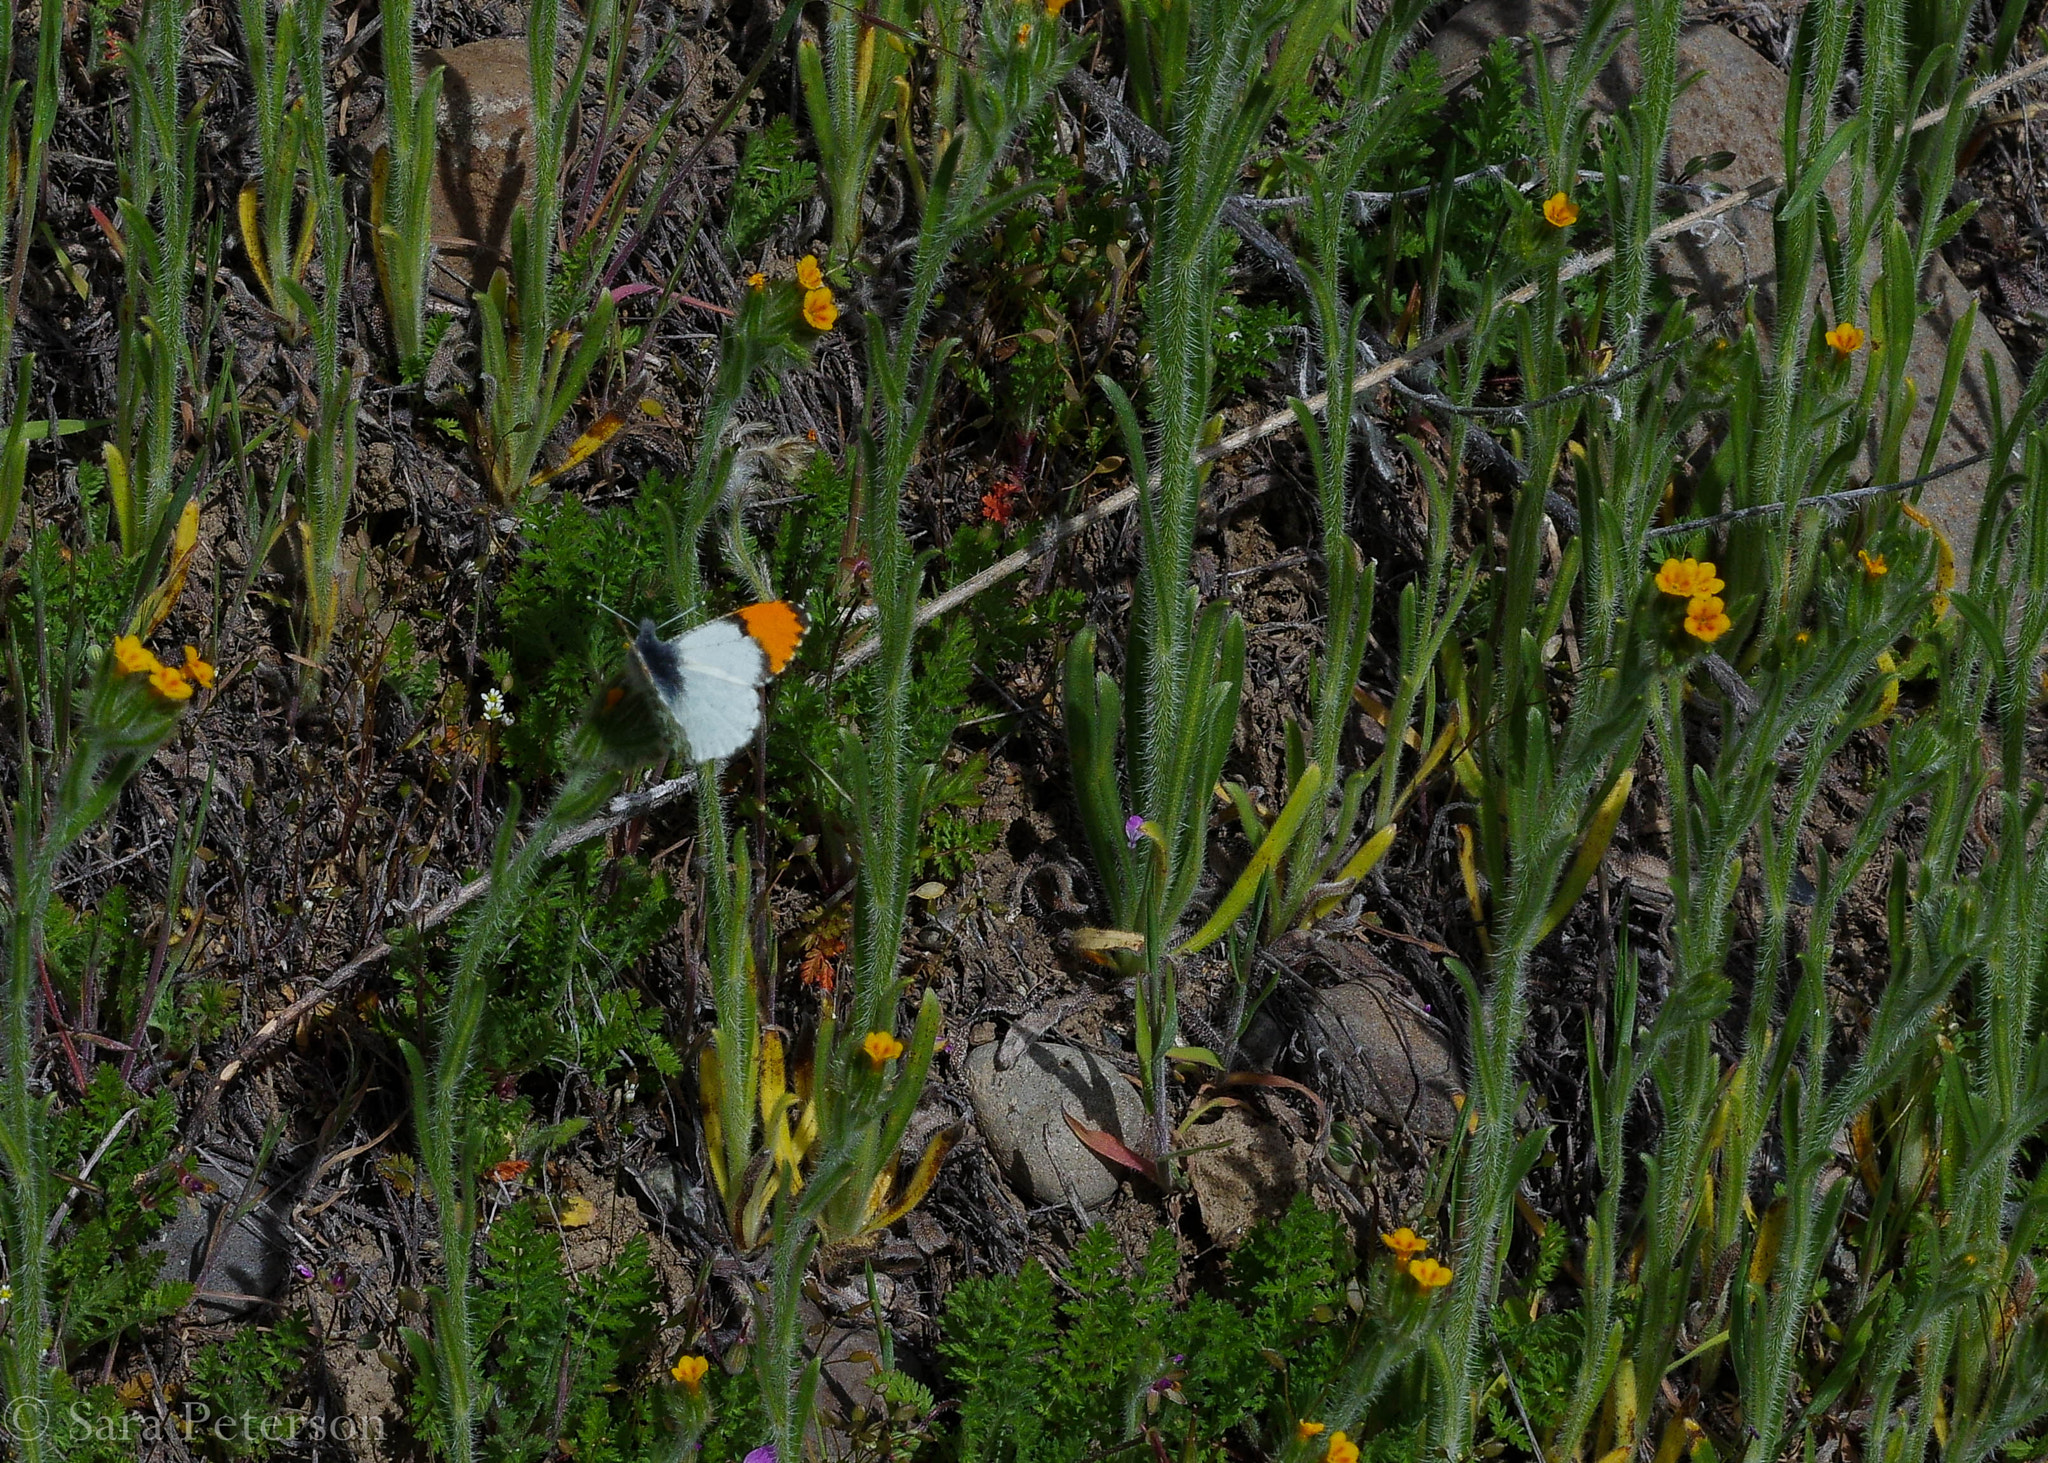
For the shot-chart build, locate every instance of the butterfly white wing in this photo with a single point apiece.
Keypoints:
(719, 670)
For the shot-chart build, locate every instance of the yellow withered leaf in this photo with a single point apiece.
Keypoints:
(585, 447)
(921, 1178)
(1888, 699)
(1087, 938)
(158, 603)
(773, 1082)
(1763, 1257)
(1944, 559)
(250, 207)
(1468, 865)
(575, 1212)
(1599, 833)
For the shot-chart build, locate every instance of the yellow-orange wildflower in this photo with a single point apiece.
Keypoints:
(195, 670)
(1560, 211)
(690, 1370)
(132, 657)
(1689, 578)
(1404, 1242)
(757, 281)
(1429, 1274)
(170, 683)
(808, 274)
(821, 311)
(1304, 1430)
(1847, 339)
(881, 1047)
(1873, 564)
(1341, 1450)
(1706, 618)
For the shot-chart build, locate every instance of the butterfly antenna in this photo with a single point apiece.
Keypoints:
(629, 624)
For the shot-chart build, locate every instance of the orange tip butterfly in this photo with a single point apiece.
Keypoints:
(708, 681)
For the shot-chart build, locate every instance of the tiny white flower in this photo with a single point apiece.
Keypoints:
(494, 707)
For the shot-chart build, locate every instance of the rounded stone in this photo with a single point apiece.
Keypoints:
(1398, 1056)
(1019, 1112)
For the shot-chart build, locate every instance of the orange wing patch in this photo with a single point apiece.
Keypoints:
(777, 628)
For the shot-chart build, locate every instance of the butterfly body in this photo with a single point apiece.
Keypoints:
(708, 680)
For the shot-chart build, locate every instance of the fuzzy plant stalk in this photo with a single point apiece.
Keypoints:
(327, 471)
(1621, 490)
(534, 364)
(887, 775)
(1183, 662)
(1304, 872)
(125, 716)
(268, 205)
(449, 1363)
(837, 1157)
(849, 84)
(1712, 1118)
(1986, 1100)
(1544, 789)
(731, 1066)
(1778, 447)
(21, 187)
(159, 180)
(401, 226)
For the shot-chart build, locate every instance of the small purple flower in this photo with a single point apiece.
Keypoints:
(1134, 830)
(340, 1280)
(303, 1270)
(763, 1454)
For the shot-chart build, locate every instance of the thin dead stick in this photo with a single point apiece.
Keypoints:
(1278, 422)
(1848, 497)
(1986, 92)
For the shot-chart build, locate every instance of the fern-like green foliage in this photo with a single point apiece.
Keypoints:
(1040, 1380)
(772, 181)
(103, 1281)
(806, 556)
(568, 1355)
(246, 1379)
(565, 993)
(556, 638)
(1539, 1349)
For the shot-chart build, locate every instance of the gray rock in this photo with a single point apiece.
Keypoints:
(1019, 1109)
(237, 1266)
(1395, 1052)
(1737, 106)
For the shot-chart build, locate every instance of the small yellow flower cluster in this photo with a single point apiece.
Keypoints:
(821, 311)
(172, 682)
(1696, 582)
(881, 1047)
(1408, 1247)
